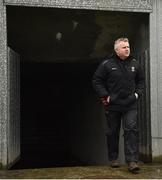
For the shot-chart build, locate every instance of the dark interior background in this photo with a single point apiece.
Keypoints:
(84, 33)
(51, 94)
(59, 50)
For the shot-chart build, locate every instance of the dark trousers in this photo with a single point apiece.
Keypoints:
(130, 127)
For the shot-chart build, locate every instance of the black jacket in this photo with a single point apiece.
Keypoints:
(119, 79)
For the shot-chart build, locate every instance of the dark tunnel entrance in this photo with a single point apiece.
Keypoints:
(62, 120)
(52, 94)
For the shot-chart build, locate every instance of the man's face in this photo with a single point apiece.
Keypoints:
(123, 50)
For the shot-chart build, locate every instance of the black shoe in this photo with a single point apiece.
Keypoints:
(114, 164)
(133, 167)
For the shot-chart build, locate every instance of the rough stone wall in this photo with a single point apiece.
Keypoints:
(3, 86)
(119, 5)
(156, 78)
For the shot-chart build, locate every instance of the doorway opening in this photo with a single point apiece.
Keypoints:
(62, 120)
(53, 96)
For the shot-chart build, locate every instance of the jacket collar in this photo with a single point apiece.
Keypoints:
(117, 58)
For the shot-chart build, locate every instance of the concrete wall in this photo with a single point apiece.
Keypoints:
(3, 86)
(156, 78)
(112, 5)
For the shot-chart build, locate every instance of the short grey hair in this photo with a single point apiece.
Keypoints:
(120, 40)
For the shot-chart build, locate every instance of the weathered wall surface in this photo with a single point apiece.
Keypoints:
(156, 78)
(119, 5)
(3, 86)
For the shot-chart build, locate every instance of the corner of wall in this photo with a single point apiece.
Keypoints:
(156, 79)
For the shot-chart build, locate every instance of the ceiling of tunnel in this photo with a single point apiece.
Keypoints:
(49, 34)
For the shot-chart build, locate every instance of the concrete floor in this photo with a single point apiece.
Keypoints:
(148, 171)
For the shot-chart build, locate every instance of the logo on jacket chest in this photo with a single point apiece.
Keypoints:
(114, 68)
(133, 69)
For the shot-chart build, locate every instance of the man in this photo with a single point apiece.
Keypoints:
(119, 83)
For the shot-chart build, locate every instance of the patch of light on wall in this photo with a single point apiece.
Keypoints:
(59, 36)
(75, 23)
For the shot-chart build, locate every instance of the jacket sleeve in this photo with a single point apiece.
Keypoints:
(99, 81)
(139, 81)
